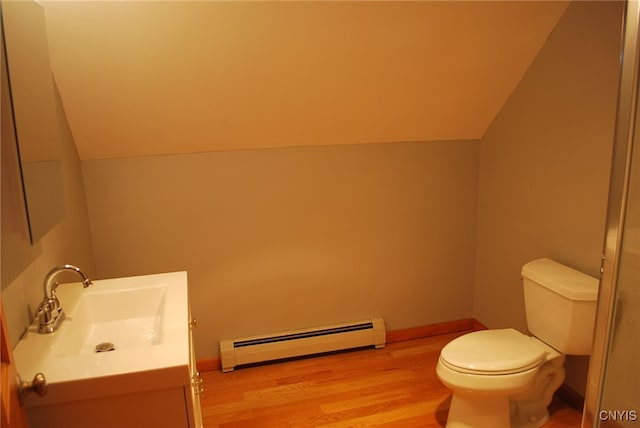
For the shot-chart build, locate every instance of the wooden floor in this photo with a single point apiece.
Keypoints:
(392, 387)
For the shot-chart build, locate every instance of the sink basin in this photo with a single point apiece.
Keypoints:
(119, 336)
(127, 319)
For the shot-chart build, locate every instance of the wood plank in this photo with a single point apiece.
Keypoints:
(395, 387)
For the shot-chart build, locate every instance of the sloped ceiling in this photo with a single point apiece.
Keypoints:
(165, 77)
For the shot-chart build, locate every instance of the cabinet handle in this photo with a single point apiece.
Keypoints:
(193, 323)
(37, 385)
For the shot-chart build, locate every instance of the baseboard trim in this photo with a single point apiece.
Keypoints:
(393, 336)
(208, 364)
(571, 397)
(477, 325)
(419, 332)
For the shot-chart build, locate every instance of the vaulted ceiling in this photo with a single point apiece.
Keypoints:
(156, 77)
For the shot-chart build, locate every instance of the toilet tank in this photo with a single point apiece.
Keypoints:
(560, 305)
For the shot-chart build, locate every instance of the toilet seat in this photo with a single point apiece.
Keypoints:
(493, 352)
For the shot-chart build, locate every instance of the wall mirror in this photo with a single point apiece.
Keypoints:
(31, 91)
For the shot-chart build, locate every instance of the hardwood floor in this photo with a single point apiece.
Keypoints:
(393, 387)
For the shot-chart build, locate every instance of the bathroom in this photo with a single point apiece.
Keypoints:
(320, 183)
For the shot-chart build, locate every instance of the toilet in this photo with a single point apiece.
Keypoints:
(503, 378)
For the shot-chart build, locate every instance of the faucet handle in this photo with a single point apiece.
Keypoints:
(43, 312)
(48, 310)
(54, 302)
(39, 310)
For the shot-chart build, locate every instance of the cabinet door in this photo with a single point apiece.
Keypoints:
(159, 408)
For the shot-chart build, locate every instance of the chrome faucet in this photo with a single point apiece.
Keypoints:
(50, 312)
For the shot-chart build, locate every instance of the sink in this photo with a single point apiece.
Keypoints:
(126, 319)
(140, 326)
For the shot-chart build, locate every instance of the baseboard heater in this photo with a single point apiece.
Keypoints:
(296, 343)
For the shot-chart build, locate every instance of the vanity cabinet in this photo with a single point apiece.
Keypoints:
(171, 407)
(161, 408)
(148, 379)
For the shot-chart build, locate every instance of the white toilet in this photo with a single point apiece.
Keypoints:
(503, 378)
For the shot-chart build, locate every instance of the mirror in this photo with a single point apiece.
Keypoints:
(31, 92)
(16, 251)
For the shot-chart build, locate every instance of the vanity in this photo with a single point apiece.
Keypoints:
(122, 357)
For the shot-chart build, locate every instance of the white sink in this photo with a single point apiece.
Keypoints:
(144, 318)
(127, 319)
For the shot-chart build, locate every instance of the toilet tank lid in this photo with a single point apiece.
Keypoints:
(567, 282)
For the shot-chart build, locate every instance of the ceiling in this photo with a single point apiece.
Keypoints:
(162, 77)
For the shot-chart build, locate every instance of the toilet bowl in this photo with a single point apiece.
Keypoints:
(503, 378)
(500, 378)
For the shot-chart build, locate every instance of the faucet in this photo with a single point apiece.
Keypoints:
(50, 312)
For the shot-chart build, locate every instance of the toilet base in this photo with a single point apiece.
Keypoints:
(468, 411)
(530, 410)
(524, 409)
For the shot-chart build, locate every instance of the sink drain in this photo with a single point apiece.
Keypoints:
(105, 347)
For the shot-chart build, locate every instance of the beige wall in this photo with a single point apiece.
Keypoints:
(197, 76)
(278, 239)
(544, 164)
(68, 242)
